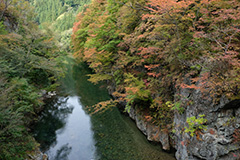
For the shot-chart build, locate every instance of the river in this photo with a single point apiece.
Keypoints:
(67, 132)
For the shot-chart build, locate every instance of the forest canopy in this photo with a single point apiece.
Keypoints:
(149, 50)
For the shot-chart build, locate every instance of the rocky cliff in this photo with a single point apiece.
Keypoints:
(214, 142)
(217, 140)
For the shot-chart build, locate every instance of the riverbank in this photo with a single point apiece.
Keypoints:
(216, 140)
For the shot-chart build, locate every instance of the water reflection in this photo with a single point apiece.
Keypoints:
(63, 152)
(65, 131)
(90, 94)
(116, 136)
(52, 118)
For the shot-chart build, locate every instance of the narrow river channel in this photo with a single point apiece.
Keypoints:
(66, 131)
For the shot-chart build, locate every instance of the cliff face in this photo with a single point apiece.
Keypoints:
(152, 132)
(215, 142)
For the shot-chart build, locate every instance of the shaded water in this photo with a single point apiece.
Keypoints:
(66, 132)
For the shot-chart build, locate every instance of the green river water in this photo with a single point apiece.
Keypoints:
(66, 132)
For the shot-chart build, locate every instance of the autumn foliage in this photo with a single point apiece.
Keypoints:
(168, 41)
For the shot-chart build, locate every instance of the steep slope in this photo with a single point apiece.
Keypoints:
(176, 63)
(29, 63)
(58, 16)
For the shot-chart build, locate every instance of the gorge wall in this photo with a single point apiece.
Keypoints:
(217, 141)
(176, 60)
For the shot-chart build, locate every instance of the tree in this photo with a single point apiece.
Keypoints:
(4, 4)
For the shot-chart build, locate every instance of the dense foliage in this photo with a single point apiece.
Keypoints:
(29, 63)
(148, 51)
(58, 16)
(49, 11)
